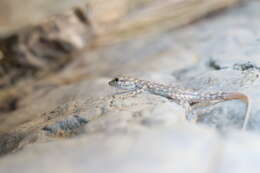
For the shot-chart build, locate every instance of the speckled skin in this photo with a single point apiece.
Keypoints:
(184, 97)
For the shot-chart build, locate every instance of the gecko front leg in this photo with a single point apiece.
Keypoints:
(131, 93)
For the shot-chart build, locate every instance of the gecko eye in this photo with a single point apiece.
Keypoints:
(116, 79)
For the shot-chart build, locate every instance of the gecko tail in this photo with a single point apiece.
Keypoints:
(246, 100)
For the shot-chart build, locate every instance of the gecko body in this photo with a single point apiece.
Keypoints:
(183, 97)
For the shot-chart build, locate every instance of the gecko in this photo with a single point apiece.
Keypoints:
(183, 97)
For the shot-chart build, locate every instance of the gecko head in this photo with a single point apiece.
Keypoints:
(125, 83)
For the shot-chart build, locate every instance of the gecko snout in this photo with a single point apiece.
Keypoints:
(123, 83)
(113, 82)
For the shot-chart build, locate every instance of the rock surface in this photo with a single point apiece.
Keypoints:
(146, 133)
(44, 43)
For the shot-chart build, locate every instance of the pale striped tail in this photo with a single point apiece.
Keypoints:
(245, 99)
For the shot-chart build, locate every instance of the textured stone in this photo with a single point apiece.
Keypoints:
(146, 133)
